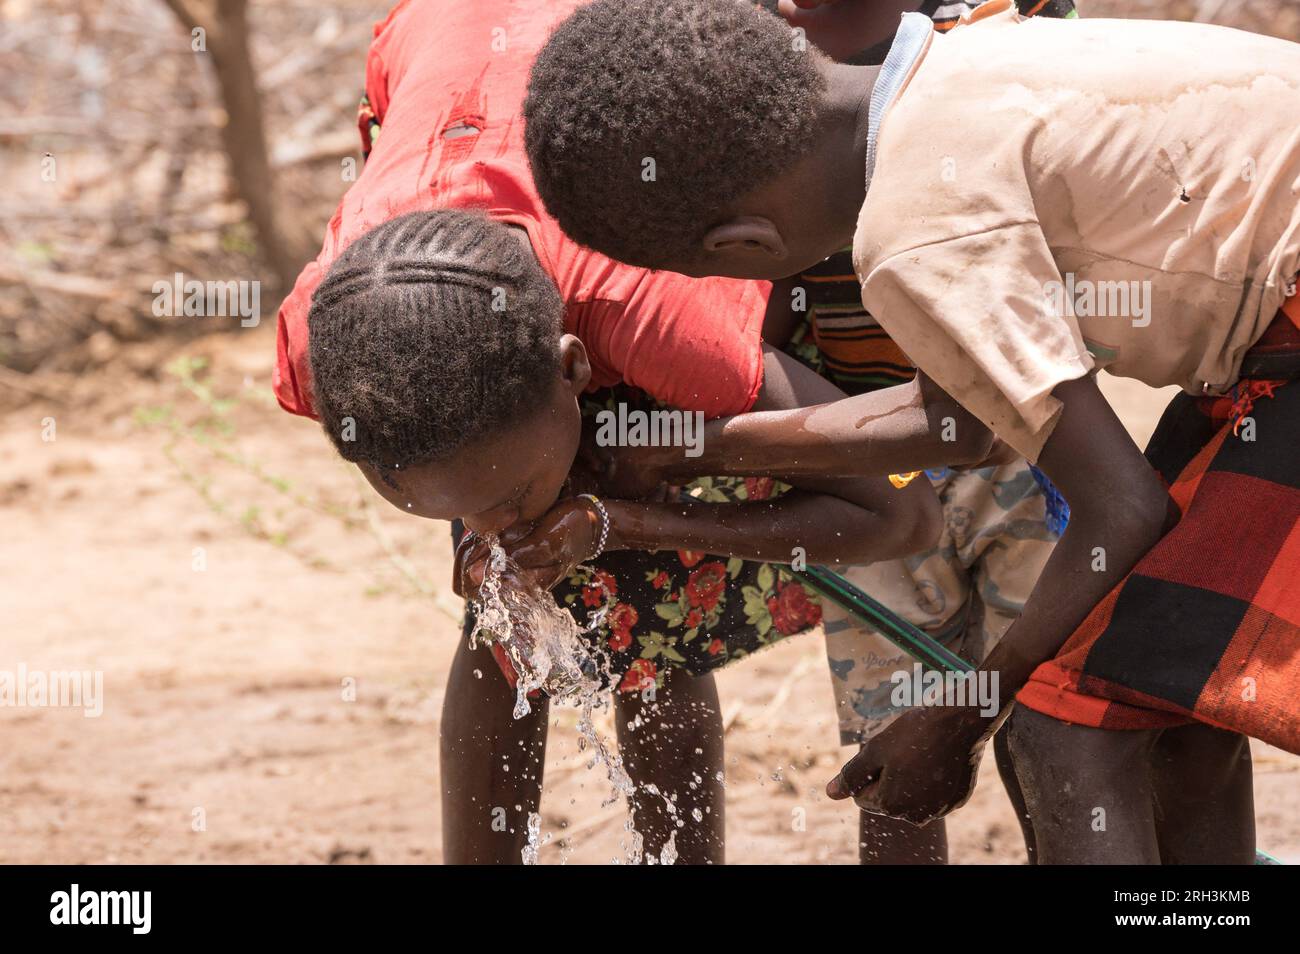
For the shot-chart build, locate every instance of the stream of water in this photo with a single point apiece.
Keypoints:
(548, 652)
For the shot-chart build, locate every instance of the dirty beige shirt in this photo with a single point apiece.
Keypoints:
(1080, 154)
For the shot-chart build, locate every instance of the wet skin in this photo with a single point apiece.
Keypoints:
(516, 483)
(1117, 501)
(501, 498)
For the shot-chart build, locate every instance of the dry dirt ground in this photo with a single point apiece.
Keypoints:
(231, 580)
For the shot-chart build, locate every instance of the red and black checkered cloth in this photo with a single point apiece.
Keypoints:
(1207, 625)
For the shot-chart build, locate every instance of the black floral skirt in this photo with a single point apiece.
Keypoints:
(680, 608)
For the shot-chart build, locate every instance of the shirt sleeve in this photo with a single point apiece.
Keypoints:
(694, 344)
(981, 315)
(291, 379)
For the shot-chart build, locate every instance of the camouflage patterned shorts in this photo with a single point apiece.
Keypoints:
(965, 592)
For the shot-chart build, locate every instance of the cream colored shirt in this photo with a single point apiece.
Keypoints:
(1053, 196)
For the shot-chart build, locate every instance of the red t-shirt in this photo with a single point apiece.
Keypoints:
(436, 65)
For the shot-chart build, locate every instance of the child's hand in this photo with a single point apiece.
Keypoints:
(635, 473)
(469, 566)
(564, 537)
(919, 768)
(624, 473)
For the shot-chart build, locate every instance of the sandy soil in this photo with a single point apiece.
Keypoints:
(231, 587)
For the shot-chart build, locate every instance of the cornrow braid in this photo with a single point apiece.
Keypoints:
(429, 333)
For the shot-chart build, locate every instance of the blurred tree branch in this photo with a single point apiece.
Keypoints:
(224, 23)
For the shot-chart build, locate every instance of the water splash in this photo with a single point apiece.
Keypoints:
(668, 854)
(541, 640)
(534, 838)
(546, 648)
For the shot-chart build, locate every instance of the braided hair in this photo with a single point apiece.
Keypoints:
(429, 333)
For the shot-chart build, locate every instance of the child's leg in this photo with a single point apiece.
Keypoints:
(676, 747)
(491, 763)
(1005, 547)
(888, 841)
(1088, 791)
(863, 664)
(1007, 772)
(1204, 792)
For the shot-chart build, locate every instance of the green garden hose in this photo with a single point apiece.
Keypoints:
(927, 651)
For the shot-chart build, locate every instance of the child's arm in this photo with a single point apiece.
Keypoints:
(1119, 509)
(833, 520)
(905, 428)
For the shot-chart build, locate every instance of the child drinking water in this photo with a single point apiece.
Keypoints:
(453, 354)
(1103, 194)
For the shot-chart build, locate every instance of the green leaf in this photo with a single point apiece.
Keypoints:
(734, 566)
(658, 644)
(766, 577)
(755, 605)
(670, 612)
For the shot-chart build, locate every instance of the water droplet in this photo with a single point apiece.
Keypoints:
(534, 837)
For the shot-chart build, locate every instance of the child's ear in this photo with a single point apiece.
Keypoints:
(575, 368)
(746, 232)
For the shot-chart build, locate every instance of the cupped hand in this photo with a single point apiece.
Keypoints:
(469, 565)
(548, 551)
(623, 473)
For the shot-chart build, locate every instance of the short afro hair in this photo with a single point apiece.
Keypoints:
(429, 333)
(722, 95)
